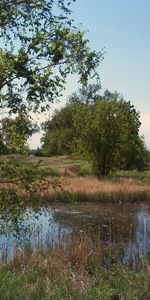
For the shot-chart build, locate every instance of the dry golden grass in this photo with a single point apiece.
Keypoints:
(75, 263)
(84, 188)
(90, 185)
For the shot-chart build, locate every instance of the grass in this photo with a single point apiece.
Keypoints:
(66, 179)
(80, 189)
(71, 197)
(115, 284)
(73, 273)
(142, 177)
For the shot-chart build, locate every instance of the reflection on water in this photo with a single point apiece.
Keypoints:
(140, 245)
(115, 226)
(34, 227)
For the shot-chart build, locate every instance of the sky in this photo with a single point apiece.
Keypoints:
(122, 29)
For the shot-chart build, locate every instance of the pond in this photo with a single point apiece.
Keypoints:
(121, 228)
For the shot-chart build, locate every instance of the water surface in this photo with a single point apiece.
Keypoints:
(112, 226)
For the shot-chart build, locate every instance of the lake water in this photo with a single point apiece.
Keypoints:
(112, 226)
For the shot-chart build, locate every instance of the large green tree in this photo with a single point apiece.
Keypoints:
(101, 129)
(40, 46)
(107, 133)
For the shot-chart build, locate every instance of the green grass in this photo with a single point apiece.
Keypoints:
(73, 197)
(142, 177)
(118, 282)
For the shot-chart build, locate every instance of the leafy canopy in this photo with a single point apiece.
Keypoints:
(14, 134)
(102, 129)
(107, 133)
(40, 47)
(59, 131)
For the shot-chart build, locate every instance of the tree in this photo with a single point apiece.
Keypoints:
(103, 130)
(136, 158)
(41, 46)
(59, 131)
(87, 94)
(107, 132)
(14, 134)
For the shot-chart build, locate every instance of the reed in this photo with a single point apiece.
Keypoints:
(91, 189)
(72, 273)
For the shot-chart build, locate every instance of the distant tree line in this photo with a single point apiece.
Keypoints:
(103, 130)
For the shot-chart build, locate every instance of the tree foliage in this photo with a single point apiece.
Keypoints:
(87, 94)
(108, 133)
(103, 129)
(14, 134)
(40, 47)
(59, 131)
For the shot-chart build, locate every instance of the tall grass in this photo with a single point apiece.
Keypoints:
(68, 189)
(76, 272)
(92, 189)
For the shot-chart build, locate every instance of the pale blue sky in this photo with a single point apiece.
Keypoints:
(123, 28)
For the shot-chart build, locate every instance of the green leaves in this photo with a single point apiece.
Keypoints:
(106, 131)
(103, 130)
(41, 47)
(59, 132)
(14, 134)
